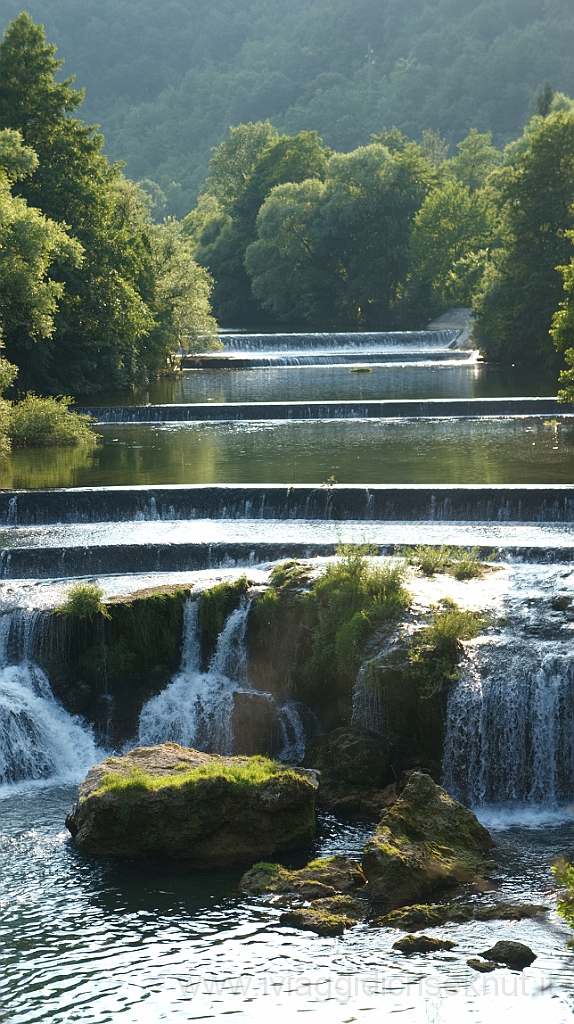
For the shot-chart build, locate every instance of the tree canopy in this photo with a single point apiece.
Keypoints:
(167, 78)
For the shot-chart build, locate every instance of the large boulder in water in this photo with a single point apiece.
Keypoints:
(425, 842)
(211, 811)
(351, 754)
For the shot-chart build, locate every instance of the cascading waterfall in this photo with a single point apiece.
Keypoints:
(196, 708)
(510, 724)
(38, 738)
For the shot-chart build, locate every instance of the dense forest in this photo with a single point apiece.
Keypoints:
(99, 288)
(166, 79)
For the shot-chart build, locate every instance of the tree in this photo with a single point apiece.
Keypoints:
(335, 254)
(521, 289)
(232, 229)
(31, 247)
(451, 230)
(100, 315)
(476, 158)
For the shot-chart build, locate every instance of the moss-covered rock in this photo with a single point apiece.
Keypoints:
(211, 811)
(425, 842)
(353, 755)
(320, 878)
(431, 916)
(422, 944)
(482, 966)
(330, 916)
(511, 954)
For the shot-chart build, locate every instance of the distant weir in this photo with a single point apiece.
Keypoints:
(500, 503)
(217, 412)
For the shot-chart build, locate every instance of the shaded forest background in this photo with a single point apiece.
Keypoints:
(166, 79)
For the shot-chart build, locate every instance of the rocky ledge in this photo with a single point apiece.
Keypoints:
(211, 811)
(424, 843)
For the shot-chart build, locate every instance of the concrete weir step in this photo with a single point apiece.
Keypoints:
(127, 559)
(502, 503)
(207, 412)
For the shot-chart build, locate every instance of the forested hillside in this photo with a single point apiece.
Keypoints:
(166, 79)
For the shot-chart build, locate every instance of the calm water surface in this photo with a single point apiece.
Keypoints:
(337, 383)
(83, 939)
(489, 451)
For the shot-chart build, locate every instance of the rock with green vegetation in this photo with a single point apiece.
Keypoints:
(422, 944)
(431, 916)
(351, 754)
(330, 916)
(211, 811)
(511, 954)
(324, 877)
(424, 843)
(483, 966)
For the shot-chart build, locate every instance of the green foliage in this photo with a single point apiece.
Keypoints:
(435, 649)
(564, 874)
(288, 574)
(462, 563)
(84, 602)
(521, 288)
(170, 95)
(36, 421)
(8, 373)
(92, 295)
(347, 601)
(249, 773)
(335, 253)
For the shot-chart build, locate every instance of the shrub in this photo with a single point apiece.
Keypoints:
(84, 601)
(462, 563)
(48, 421)
(435, 649)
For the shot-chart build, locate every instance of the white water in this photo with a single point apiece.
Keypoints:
(510, 734)
(38, 738)
(196, 708)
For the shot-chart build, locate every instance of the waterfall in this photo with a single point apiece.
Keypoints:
(510, 724)
(404, 341)
(38, 738)
(197, 708)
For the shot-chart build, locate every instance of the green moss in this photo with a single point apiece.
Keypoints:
(215, 605)
(462, 563)
(253, 772)
(564, 875)
(84, 601)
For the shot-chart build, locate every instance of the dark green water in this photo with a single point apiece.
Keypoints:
(309, 383)
(489, 451)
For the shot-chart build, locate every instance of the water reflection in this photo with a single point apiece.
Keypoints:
(489, 451)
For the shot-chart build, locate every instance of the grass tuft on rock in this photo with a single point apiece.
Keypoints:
(251, 773)
(84, 601)
(434, 650)
(351, 597)
(462, 563)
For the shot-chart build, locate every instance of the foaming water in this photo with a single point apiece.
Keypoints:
(197, 709)
(39, 740)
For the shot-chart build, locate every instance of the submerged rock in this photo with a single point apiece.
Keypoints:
(428, 916)
(320, 878)
(425, 842)
(484, 966)
(512, 954)
(326, 916)
(212, 811)
(422, 944)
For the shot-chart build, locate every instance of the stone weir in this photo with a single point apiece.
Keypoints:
(502, 503)
(356, 341)
(351, 410)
